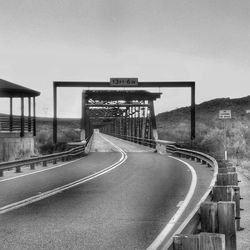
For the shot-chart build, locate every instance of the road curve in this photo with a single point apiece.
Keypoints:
(125, 208)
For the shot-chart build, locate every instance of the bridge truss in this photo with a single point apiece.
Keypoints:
(126, 114)
(136, 84)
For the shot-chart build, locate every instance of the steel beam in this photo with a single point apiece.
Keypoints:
(193, 112)
(174, 84)
(140, 84)
(55, 113)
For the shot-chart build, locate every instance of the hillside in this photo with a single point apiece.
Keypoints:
(210, 132)
(209, 111)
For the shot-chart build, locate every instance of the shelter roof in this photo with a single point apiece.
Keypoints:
(9, 89)
(113, 95)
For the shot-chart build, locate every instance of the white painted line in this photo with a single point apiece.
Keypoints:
(179, 203)
(49, 193)
(39, 171)
(197, 207)
(166, 231)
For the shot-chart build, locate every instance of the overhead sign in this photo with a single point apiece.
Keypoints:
(123, 82)
(225, 114)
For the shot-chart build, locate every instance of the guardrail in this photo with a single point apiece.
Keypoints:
(44, 159)
(213, 222)
(143, 141)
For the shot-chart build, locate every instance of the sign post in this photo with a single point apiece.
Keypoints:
(225, 115)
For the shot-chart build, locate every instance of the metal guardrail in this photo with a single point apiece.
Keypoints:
(143, 141)
(63, 156)
(191, 223)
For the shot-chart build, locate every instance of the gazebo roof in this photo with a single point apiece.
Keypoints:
(9, 89)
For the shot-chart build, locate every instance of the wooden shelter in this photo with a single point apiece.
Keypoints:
(18, 123)
(17, 131)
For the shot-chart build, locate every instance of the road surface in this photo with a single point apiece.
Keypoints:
(125, 208)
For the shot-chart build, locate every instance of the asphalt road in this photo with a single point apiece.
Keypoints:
(123, 209)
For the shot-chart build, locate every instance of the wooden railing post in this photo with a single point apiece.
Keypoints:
(186, 242)
(209, 217)
(227, 179)
(201, 241)
(212, 241)
(226, 221)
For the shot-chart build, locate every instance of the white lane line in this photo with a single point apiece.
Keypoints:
(179, 203)
(166, 231)
(49, 193)
(39, 171)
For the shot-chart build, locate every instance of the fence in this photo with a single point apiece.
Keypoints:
(8, 124)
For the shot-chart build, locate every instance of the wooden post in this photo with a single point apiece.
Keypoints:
(212, 241)
(226, 221)
(227, 179)
(29, 114)
(226, 170)
(22, 117)
(34, 116)
(186, 242)
(18, 169)
(229, 193)
(223, 193)
(209, 220)
(11, 114)
(32, 166)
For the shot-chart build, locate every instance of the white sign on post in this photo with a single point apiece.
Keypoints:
(225, 114)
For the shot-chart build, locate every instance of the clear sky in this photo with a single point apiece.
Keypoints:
(206, 41)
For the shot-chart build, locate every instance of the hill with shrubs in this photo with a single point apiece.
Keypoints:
(212, 133)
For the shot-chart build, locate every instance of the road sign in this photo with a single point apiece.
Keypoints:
(225, 114)
(123, 82)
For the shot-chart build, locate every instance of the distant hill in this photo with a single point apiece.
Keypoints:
(208, 111)
(207, 115)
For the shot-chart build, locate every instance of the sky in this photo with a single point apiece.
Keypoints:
(206, 41)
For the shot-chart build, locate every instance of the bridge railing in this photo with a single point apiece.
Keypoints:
(7, 125)
(143, 141)
(44, 159)
(214, 220)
